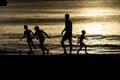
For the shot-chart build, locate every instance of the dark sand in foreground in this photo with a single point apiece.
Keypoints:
(11, 58)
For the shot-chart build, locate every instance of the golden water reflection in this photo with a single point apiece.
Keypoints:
(99, 28)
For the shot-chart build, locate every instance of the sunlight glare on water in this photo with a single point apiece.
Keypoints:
(98, 28)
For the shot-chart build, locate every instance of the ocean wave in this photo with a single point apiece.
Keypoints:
(95, 37)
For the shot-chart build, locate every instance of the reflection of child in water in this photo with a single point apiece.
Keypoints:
(80, 40)
(27, 34)
(39, 34)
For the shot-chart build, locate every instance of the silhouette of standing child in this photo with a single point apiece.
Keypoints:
(80, 40)
(39, 34)
(27, 34)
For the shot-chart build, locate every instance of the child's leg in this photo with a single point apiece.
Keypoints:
(70, 42)
(33, 44)
(79, 50)
(45, 49)
(85, 48)
(29, 46)
(42, 48)
(81, 45)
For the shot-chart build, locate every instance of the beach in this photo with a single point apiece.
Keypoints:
(100, 20)
(100, 60)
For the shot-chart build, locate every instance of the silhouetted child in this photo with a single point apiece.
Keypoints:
(27, 34)
(80, 40)
(39, 34)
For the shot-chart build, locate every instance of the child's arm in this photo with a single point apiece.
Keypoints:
(46, 34)
(22, 37)
(78, 40)
(32, 32)
(34, 36)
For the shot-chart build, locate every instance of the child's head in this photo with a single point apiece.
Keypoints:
(25, 27)
(36, 28)
(83, 32)
(67, 16)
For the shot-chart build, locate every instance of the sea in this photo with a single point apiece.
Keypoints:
(99, 18)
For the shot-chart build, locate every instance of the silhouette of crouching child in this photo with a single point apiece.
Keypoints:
(39, 34)
(80, 40)
(27, 34)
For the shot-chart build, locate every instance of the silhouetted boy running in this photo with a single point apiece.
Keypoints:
(80, 40)
(27, 34)
(39, 35)
(68, 33)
